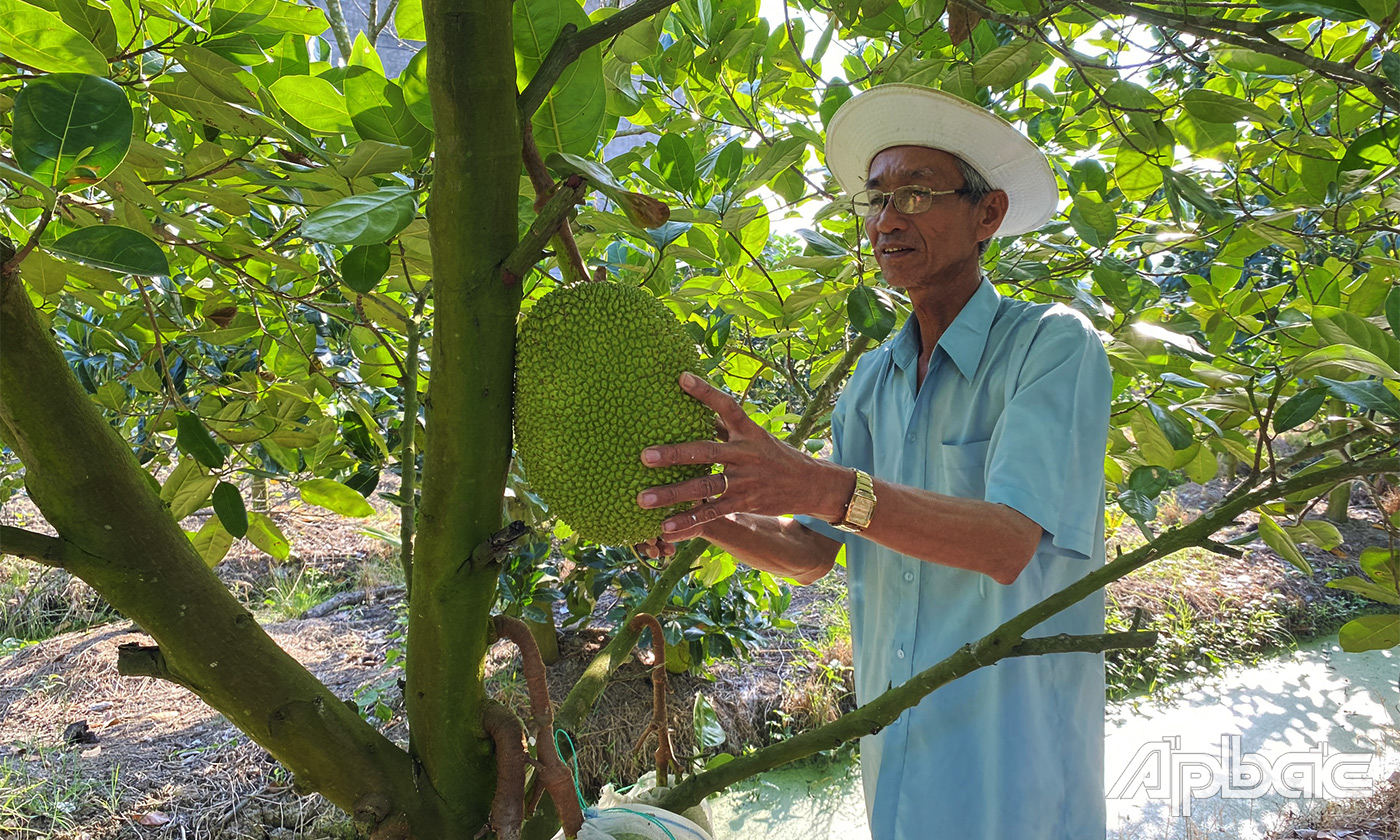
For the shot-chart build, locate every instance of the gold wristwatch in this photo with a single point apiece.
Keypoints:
(861, 508)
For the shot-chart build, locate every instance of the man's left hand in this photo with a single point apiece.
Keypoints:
(760, 474)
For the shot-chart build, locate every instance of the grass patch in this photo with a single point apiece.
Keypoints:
(38, 602)
(42, 793)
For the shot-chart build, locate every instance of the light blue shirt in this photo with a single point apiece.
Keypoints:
(1014, 409)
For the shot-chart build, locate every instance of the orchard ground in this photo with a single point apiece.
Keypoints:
(86, 753)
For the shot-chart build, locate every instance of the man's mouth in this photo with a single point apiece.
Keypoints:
(895, 250)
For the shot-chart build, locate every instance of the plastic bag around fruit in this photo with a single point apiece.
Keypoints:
(636, 822)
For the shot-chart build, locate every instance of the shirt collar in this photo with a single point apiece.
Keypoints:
(965, 338)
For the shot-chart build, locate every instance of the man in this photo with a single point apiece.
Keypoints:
(968, 457)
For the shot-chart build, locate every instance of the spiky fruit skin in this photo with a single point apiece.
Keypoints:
(596, 382)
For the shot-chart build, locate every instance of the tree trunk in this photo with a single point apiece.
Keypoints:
(472, 213)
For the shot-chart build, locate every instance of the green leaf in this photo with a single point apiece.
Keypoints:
(195, 441)
(371, 157)
(228, 506)
(1007, 65)
(40, 39)
(1376, 149)
(187, 488)
(675, 162)
(231, 16)
(1278, 539)
(571, 117)
(217, 73)
(1249, 61)
(775, 159)
(116, 248)
(1371, 395)
(366, 219)
(870, 313)
(1377, 562)
(1392, 310)
(1152, 441)
(335, 497)
(1370, 632)
(313, 102)
(364, 266)
(212, 541)
(264, 533)
(1214, 107)
(1390, 67)
(1316, 532)
(1385, 593)
(408, 20)
(1346, 356)
(1178, 431)
(1298, 409)
(294, 18)
(71, 128)
(709, 733)
(414, 82)
(1141, 508)
(1338, 326)
(1330, 9)
(379, 111)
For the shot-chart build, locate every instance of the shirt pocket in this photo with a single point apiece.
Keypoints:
(964, 467)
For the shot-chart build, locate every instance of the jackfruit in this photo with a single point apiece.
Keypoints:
(596, 382)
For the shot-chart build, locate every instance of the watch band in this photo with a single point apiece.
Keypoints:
(861, 508)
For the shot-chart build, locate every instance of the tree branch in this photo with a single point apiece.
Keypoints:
(546, 224)
(553, 774)
(1008, 639)
(571, 43)
(31, 545)
(882, 711)
(1254, 36)
(565, 248)
(825, 397)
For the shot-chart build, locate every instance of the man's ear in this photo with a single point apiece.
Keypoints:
(991, 213)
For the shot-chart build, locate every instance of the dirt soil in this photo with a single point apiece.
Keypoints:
(155, 762)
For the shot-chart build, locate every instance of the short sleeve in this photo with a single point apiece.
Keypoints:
(838, 427)
(1047, 448)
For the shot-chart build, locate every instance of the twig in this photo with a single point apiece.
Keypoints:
(665, 757)
(531, 246)
(553, 774)
(508, 805)
(572, 267)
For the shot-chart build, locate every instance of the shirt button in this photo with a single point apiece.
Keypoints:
(908, 576)
(909, 438)
(899, 653)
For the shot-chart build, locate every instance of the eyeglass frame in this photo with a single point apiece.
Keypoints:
(907, 189)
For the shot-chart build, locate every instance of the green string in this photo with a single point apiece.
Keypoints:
(573, 757)
(578, 790)
(648, 817)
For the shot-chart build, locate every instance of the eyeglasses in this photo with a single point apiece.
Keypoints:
(910, 199)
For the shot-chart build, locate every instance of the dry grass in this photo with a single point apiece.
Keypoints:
(1376, 817)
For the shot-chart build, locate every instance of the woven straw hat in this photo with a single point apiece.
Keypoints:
(909, 115)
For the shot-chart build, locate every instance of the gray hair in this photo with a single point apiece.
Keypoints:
(977, 188)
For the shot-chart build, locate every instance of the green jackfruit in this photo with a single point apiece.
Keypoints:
(596, 382)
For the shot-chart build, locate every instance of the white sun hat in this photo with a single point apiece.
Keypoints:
(909, 115)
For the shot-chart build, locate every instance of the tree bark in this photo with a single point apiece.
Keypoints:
(472, 213)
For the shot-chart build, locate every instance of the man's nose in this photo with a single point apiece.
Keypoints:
(888, 219)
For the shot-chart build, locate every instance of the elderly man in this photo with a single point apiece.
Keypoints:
(966, 484)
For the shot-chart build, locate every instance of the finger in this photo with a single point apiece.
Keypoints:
(682, 525)
(686, 491)
(729, 411)
(695, 452)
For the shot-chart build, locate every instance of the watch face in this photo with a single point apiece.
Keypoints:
(861, 511)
